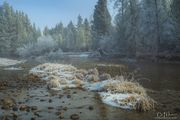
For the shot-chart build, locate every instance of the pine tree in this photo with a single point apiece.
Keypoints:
(175, 6)
(70, 36)
(15, 29)
(46, 31)
(4, 43)
(88, 36)
(58, 34)
(80, 21)
(101, 22)
(80, 37)
(176, 10)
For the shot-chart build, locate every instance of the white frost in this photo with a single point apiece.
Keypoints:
(59, 76)
(9, 62)
(13, 68)
(98, 85)
(64, 75)
(116, 100)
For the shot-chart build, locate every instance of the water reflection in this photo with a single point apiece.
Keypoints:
(159, 76)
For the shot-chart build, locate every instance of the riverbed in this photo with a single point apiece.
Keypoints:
(161, 80)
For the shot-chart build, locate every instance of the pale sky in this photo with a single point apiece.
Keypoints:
(50, 12)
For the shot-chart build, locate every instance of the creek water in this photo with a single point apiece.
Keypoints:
(155, 76)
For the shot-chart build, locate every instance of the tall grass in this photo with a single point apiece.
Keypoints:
(142, 102)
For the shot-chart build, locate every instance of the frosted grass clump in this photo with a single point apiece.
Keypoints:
(117, 92)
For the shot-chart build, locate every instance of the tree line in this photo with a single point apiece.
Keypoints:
(148, 27)
(140, 28)
(72, 37)
(15, 29)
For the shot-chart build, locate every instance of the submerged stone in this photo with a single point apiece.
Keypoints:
(15, 108)
(91, 108)
(8, 103)
(74, 117)
(34, 108)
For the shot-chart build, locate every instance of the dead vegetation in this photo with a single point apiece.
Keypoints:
(32, 77)
(142, 102)
(92, 78)
(67, 76)
(125, 87)
(78, 82)
(54, 83)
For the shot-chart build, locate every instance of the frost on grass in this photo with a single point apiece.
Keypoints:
(9, 62)
(117, 92)
(127, 94)
(98, 86)
(59, 76)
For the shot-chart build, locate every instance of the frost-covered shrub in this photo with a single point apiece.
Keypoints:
(25, 50)
(44, 44)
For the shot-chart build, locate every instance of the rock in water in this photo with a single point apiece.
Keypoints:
(34, 108)
(91, 107)
(24, 108)
(8, 103)
(75, 117)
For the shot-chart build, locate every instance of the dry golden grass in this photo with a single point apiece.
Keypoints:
(52, 77)
(126, 87)
(79, 76)
(129, 99)
(8, 102)
(63, 82)
(144, 103)
(93, 72)
(82, 71)
(77, 81)
(92, 78)
(54, 83)
(32, 77)
(125, 83)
